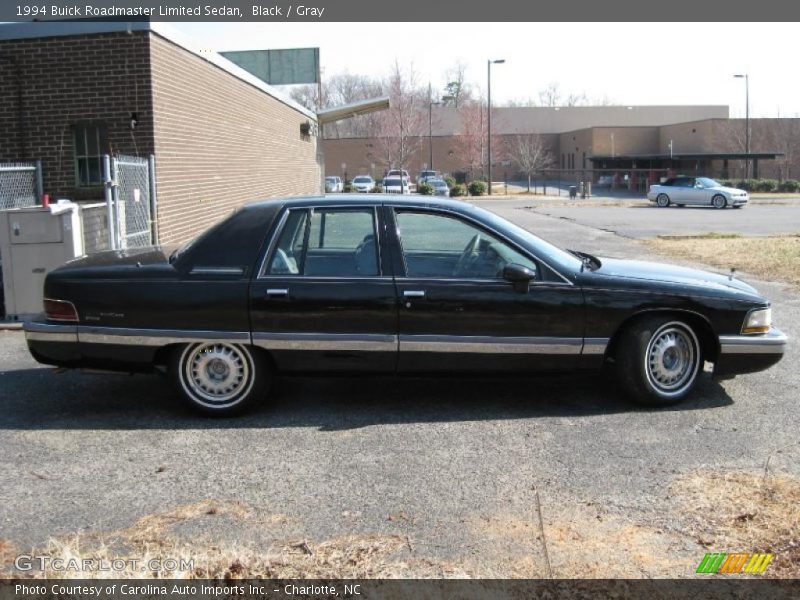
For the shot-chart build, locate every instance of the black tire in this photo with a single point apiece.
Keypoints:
(719, 201)
(651, 352)
(663, 201)
(220, 379)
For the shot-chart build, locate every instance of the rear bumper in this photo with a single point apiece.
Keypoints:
(53, 344)
(740, 354)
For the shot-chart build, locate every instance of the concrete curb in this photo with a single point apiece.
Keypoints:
(10, 325)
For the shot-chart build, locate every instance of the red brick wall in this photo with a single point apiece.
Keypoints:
(68, 80)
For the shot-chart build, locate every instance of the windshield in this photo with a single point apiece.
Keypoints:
(437, 182)
(545, 250)
(330, 179)
(709, 183)
(391, 182)
(361, 180)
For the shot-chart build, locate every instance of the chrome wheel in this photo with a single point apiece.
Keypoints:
(719, 201)
(662, 200)
(672, 359)
(216, 374)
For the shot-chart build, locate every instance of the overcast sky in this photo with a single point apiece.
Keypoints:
(629, 63)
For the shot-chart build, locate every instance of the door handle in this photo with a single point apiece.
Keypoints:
(277, 293)
(414, 294)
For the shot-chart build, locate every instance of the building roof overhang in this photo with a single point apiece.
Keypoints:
(690, 156)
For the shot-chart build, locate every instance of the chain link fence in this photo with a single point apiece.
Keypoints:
(131, 199)
(20, 184)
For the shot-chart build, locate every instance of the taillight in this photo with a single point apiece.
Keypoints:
(60, 310)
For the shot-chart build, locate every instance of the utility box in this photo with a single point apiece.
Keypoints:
(33, 242)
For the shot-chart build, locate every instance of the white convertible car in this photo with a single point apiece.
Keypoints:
(698, 191)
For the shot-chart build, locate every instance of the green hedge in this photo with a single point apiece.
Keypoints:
(458, 190)
(426, 189)
(763, 185)
(477, 188)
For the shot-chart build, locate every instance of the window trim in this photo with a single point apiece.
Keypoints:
(479, 225)
(273, 244)
(98, 126)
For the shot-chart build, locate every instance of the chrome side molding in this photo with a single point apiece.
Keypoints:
(368, 342)
(363, 342)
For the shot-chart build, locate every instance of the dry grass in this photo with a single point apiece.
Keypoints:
(774, 258)
(742, 512)
(700, 512)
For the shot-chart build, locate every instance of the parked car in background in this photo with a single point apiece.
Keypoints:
(698, 191)
(425, 175)
(604, 181)
(397, 173)
(392, 285)
(440, 187)
(394, 185)
(363, 183)
(334, 184)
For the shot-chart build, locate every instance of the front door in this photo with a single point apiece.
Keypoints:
(458, 313)
(325, 299)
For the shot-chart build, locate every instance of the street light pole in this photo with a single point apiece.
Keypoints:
(489, 64)
(746, 78)
(430, 132)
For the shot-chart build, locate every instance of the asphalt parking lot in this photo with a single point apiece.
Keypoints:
(450, 465)
(642, 219)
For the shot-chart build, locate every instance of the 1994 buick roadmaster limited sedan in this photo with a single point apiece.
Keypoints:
(394, 285)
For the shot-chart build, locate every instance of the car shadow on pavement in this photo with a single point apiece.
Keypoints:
(37, 399)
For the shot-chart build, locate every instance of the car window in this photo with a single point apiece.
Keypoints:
(288, 254)
(327, 243)
(441, 246)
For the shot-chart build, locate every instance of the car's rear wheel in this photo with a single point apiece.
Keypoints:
(658, 360)
(219, 378)
(719, 201)
(662, 200)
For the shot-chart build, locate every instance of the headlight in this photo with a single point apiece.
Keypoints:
(758, 321)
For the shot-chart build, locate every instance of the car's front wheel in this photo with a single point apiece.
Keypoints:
(658, 360)
(219, 378)
(662, 200)
(719, 201)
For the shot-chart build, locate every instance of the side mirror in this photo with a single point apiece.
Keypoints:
(520, 276)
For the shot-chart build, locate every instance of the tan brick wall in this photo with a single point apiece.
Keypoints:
(626, 141)
(698, 136)
(220, 143)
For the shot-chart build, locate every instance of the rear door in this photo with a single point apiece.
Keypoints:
(457, 313)
(325, 298)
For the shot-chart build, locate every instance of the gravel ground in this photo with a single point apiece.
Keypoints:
(450, 463)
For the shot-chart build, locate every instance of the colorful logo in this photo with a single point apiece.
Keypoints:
(743, 562)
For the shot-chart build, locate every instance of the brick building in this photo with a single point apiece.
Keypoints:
(633, 144)
(75, 91)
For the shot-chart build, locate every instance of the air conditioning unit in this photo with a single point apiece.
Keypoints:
(33, 242)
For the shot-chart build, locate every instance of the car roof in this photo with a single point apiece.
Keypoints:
(365, 200)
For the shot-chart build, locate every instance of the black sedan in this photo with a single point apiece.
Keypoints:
(393, 285)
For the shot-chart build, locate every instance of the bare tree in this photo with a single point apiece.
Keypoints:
(550, 96)
(401, 127)
(529, 152)
(471, 139)
(781, 135)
